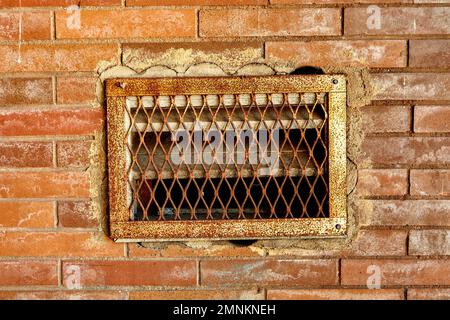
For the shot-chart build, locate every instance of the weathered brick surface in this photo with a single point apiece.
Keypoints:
(25, 91)
(24, 214)
(397, 21)
(404, 213)
(429, 294)
(128, 24)
(33, 273)
(429, 242)
(57, 3)
(58, 57)
(57, 244)
(377, 119)
(268, 272)
(269, 22)
(432, 119)
(335, 294)
(429, 53)
(26, 154)
(173, 250)
(374, 53)
(405, 150)
(73, 154)
(195, 2)
(339, 1)
(397, 272)
(41, 184)
(430, 182)
(76, 214)
(379, 243)
(411, 86)
(75, 90)
(63, 295)
(35, 25)
(50, 122)
(198, 295)
(382, 182)
(130, 273)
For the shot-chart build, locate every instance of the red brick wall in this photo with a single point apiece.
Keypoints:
(51, 240)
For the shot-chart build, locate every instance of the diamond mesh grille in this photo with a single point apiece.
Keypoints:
(230, 157)
(205, 183)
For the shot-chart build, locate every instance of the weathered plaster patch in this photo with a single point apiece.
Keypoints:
(180, 59)
(98, 180)
(206, 69)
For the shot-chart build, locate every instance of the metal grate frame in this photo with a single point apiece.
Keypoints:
(133, 219)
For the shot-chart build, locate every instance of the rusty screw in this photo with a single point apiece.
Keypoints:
(120, 85)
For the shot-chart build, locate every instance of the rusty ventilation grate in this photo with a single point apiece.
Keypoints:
(227, 158)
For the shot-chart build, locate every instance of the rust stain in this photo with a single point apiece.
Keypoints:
(122, 225)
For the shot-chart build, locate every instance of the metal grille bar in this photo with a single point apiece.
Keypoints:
(253, 157)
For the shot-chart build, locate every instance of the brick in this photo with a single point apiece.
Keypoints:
(58, 3)
(26, 91)
(174, 250)
(231, 54)
(268, 272)
(380, 243)
(27, 214)
(366, 243)
(382, 182)
(35, 25)
(76, 214)
(26, 154)
(129, 273)
(430, 182)
(195, 2)
(429, 294)
(44, 184)
(404, 212)
(377, 119)
(217, 294)
(31, 273)
(431, 1)
(432, 119)
(50, 122)
(57, 57)
(405, 150)
(373, 53)
(58, 244)
(75, 90)
(73, 154)
(397, 21)
(335, 1)
(411, 86)
(396, 272)
(429, 242)
(63, 295)
(429, 53)
(270, 22)
(128, 24)
(335, 294)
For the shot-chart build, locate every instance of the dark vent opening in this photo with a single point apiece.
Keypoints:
(242, 243)
(308, 70)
